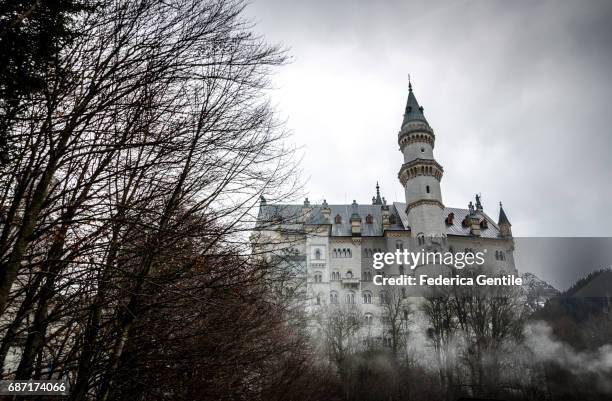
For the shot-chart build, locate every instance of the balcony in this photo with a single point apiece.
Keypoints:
(350, 282)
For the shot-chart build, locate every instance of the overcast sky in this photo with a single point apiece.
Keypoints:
(519, 95)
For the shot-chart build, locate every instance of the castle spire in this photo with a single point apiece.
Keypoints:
(504, 224)
(413, 111)
(377, 199)
(420, 174)
(503, 219)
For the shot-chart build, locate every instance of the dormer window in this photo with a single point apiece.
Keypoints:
(450, 218)
(338, 219)
(484, 223)
(369, 219)
(392, 219)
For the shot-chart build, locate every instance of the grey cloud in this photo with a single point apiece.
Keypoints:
(518, 93)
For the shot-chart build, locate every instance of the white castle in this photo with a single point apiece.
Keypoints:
(333, 245)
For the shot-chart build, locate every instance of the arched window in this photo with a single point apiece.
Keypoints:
(318, 299)
(318, 254)
(427, 188)
(368, 318)
(382, 297)
(399, 245)
(333, 297)
(349, 274)
(350, 298)
(350, 255)
(367, 297)
(334, 253)
(335, 275)
(318, 277)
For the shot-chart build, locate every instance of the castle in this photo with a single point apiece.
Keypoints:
(333, 245)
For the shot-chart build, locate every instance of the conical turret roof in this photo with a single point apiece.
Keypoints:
(413, 111)
(503, 219)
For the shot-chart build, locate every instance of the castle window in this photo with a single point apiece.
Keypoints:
(427, 188)
(333, 297)
(382, 297)
(338, 219)
(401, 270)
(318, 299)
(318, 277)
(450, 218)
(350, 298)
(367, 298)
(368, 319)
(392, 219)
(318, 254)
(367, 276)
(349, 274)
(406, 314)
(403, 293)
(422, 150)
(369, 219)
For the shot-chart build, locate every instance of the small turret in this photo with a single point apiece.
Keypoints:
(503, 223)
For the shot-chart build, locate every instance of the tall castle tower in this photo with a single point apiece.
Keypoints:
(420, 174)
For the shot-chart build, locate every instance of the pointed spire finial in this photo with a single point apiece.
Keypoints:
(377, 200)
(409, 84)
